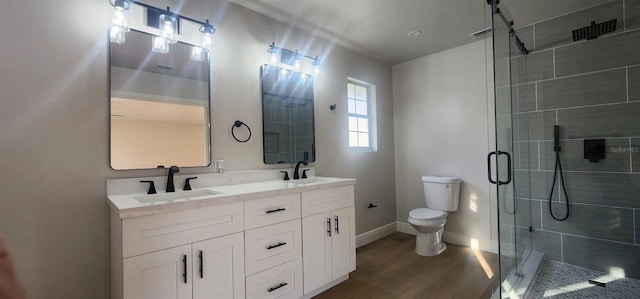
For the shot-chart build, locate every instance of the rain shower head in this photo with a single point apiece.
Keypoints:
(594, 30)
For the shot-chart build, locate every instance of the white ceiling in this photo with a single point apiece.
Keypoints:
(379, 28)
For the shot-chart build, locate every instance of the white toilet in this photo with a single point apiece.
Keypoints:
(442, 195)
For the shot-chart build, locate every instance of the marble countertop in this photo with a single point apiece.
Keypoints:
(129, 205)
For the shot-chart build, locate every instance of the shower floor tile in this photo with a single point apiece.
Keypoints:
(560, 280)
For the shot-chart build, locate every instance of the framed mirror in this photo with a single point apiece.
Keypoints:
(159, 105)
(287, 116)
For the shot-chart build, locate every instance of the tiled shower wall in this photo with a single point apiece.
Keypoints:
(592, 90)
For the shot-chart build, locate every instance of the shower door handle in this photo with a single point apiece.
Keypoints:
(508, 168)
(489, 167)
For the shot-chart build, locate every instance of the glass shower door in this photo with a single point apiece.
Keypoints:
(511, 177)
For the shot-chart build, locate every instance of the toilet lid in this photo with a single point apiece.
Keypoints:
(424, 213)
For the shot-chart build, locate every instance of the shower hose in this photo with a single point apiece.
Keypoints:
(557, 169)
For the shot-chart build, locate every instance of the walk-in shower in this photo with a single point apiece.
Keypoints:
(574, 78)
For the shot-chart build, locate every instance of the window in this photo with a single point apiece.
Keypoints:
(360, 97)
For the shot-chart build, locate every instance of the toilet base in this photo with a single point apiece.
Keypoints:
(430, 244)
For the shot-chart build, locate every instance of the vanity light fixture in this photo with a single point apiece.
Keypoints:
(168, 24)
(119, 20)
(292, 58)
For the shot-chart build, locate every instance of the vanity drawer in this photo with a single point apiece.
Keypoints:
(272, 245)
(155, 232)
(282, 282)
(267, 211)
(320, 201)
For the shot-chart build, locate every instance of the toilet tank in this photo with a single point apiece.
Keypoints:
(441, 193)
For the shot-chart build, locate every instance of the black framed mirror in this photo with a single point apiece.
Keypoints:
(159, 105)
(287, 116)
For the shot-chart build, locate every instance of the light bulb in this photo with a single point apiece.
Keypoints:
(169, 28)
(116, 35)
(160, 45)
(197, 54)
(274, 58)
(207, 42)
(296, 64)
(316, 69)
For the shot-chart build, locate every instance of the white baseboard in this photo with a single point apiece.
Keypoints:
(375, 234)
(453, 238)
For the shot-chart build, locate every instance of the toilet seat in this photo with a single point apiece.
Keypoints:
(427, 214)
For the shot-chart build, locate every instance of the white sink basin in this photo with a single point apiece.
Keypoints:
(174, 195)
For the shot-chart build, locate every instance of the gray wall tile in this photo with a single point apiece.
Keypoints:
(534, 184)
(598, 54)
(526, 97)
(572, 156)
(549, 243)
(632, 13)
(592, 221)
(528, 213)
(634, 83)
(590, 89)
(601, 255)
(526, 37)
(617, 120)
(558, 31)
(535, 125)
(534, 66)
(637, 221)
(527, 156)
(635, 154)
(610, 189)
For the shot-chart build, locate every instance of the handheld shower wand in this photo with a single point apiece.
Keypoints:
(558, 169)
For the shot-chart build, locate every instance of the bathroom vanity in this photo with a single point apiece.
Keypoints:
(272, 239)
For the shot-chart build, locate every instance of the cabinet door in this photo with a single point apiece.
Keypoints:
(218, 268)
(316, 250)
(343, 242)
(158, 275)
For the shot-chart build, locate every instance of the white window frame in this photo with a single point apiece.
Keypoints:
(370, 116)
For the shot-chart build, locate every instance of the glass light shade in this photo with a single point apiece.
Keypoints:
(120, 17)
(197, 53)
(116, 34)
(169, 28)
(296, 64)
(160, 45)
(316, 69)
(207, 41)
(274, 58)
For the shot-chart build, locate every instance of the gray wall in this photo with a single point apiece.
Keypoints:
(592, 90)
(442, 128)
(54, 140)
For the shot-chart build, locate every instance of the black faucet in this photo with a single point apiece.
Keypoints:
(172, 170)
(296, 172)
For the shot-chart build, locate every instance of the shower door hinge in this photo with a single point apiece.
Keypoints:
(530, 229)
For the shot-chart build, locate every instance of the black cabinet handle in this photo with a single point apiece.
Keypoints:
(276, 246)
(184, 263)
(329, 226)
(277, 287)
(489, 167)
(201, 267)
(276, 210)
(337, 226)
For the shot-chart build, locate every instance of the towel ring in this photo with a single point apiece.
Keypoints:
(237, 124)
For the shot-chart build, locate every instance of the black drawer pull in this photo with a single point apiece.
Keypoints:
(329, 226)
(277, 245)
(277, 287)
(201, 266)
(337, 225)
(184, 264)
(276, 210)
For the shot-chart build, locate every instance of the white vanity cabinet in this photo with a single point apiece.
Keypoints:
(328, 227)
(196, 253)
(289, 242)
(208, 269)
